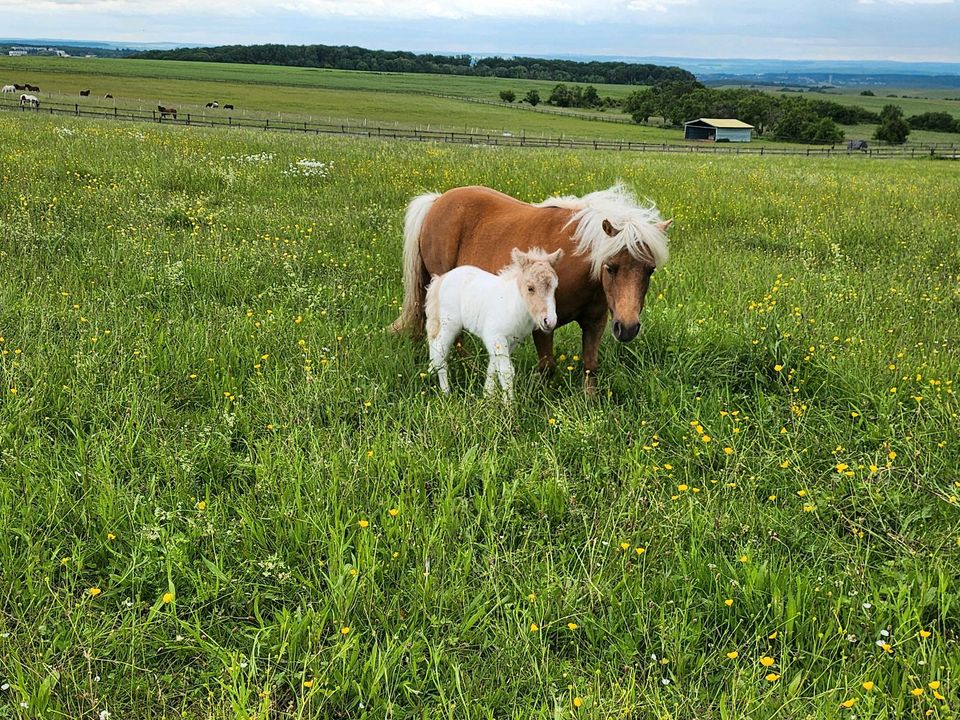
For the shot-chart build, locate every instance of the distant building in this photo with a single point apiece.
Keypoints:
(17, 53)
(717, 129)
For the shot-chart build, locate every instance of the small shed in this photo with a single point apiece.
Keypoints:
(717, 129)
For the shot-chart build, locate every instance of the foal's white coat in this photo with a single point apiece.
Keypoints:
(500, 309)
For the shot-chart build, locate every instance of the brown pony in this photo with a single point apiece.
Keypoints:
(611, 247)
(167, 111)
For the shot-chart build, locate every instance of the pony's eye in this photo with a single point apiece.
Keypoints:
(612, 269)
(530, 289)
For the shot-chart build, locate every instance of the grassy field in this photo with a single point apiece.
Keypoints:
(226, 493)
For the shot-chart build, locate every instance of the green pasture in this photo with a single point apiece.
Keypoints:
(225, 492)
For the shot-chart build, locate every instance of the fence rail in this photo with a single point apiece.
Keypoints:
(466, 138)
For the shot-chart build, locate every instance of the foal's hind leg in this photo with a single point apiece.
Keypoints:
(439, 349)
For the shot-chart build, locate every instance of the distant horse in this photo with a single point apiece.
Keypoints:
(108, 96)
(84, 93)
(167, 111)
(8, 89)
(500, 309)
(31, 88)
(29, 101)
(228, 107)
(612, 246)
(212, 105)
(860, 145)
(19, 87)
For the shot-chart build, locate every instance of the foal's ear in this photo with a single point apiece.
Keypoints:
(609, 229)
(554, 257)
(519, 257)
(665, 225)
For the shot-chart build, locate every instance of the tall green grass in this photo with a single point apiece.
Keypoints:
(226, 493)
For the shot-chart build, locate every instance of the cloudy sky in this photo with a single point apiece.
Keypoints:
(913, 30)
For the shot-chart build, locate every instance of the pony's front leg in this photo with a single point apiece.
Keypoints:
(547, 364)
(592, 331)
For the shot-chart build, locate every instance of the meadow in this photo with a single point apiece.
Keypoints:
(404, 100)
(225, 492)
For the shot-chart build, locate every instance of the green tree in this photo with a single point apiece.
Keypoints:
(508, 96)
(561, 96)
(894, 131)
(532, 97)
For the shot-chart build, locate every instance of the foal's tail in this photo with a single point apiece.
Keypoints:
(432, 307)
(411, 318)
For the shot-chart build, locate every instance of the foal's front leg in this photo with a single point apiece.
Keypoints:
(499, 367)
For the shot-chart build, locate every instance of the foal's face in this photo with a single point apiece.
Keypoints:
(625, 282)
(538, 286)
(537, 282)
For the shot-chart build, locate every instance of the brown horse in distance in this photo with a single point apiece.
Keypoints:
(611, 247)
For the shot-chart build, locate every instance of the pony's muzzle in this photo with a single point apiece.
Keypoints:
(547, 324)
(625, 333)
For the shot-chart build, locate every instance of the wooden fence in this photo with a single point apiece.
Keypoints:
(941, 151)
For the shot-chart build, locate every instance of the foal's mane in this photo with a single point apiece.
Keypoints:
(637, 225)
(513, 270)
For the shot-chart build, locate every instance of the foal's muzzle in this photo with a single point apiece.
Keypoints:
(625, 333)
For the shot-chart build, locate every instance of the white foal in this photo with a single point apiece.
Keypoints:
(500, 309)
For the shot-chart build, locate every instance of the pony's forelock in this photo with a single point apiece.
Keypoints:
(637, 224)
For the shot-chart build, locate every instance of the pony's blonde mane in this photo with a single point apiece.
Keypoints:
(637, 224)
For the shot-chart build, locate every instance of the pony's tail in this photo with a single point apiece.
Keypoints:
(411, 318)
(432, 307)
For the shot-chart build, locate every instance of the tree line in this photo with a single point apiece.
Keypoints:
(344, 57)
(797, 119)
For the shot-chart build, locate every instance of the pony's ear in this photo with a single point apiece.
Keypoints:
(665, 225)
(609, 229)
(554, 257)
(519, 257)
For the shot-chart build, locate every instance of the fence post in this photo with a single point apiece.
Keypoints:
(76, 109)
(188, 118)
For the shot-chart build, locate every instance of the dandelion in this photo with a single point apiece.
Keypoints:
(683, 488)
(772, 636)
(728, 450)
(532, 597)
(345, 630)
(552, 421)
(202, 505)
(733, 654)
(868, 685)
(393, 512)
(728, 602)
(364, 524)
(801, 493)
(892, 455)
(841, 467)
(167, 598)
(111, 536)
(785, 464)
(94, 591)
(917, 692)
(572, 626)
(534, 627)
(767, 661)
(744, 559)
(308, 684)
(778, 367)
(848, 703)
(624, 546)
(772, 677)
(578, 702)
(640, 550)
(924, 634)
(934, 684)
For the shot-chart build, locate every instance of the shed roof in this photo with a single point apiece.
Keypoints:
(721, 123)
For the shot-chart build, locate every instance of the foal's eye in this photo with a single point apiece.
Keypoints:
(530, 289)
